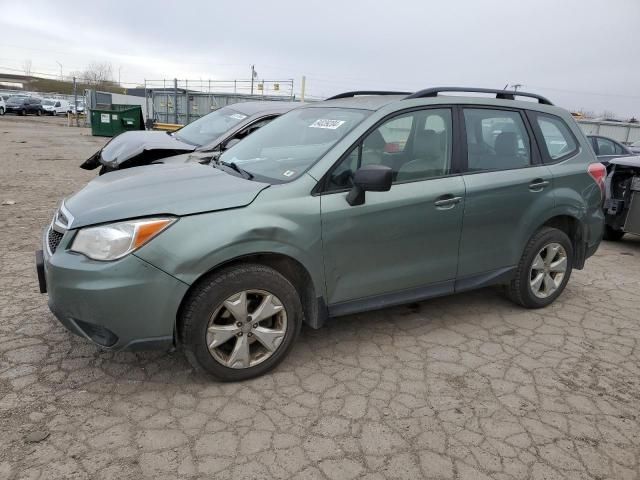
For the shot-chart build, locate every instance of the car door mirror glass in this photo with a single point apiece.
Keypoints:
(372, 178)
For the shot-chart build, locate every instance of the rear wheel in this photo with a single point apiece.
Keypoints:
(1, 110)
(23, 112)
(544, 269)
(240, 322)
(612, 234)
(38, 112)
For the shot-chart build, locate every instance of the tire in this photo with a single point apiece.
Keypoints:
(612, 235)
(521, 289)
(38, 112)
(207, 305)
(1, 110)
(53, 113)
(23, 112)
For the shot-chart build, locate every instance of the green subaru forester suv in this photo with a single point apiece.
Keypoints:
(363, 201)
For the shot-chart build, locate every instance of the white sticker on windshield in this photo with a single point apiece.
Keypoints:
(238, 116)
(326, 123)
(289, 173)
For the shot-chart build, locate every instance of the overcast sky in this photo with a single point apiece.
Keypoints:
(579, 53)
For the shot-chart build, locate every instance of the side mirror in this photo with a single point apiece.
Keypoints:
(230, 143)
(371, 178)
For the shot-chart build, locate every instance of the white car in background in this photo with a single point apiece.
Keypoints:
(54, 106)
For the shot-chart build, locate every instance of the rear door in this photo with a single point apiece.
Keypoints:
(403, 243)
(508, 192)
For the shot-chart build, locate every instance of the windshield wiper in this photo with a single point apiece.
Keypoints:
(234, 166)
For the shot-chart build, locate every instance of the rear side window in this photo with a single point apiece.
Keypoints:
(558, 139)
(605, 146)
(496, 140)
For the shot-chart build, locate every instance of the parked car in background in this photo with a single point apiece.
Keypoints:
(202, 139)
(24, 105)
(2, 106)
(78, 108)
(635, 147)
(622, 204)
(607, 148)
(55, 106)
(337, 207)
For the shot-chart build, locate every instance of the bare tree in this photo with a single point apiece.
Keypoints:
(98, 74)
(26, 66)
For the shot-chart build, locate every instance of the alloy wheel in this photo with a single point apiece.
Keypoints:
(548, 270)
(246, 329)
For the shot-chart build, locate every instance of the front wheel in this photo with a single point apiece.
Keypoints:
(38, 112)
(240, 322)
(1, 110)
(544, 269)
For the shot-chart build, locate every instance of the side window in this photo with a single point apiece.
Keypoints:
(557, 136)
(252, 128)
(496, 140)
(618, 149)
(57, 104)
(605, 147)
(416, 146)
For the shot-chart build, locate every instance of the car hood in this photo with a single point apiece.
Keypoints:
(131, 149)
(173, 189)
(632, 161)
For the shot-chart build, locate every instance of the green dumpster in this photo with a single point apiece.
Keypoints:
(118, 119)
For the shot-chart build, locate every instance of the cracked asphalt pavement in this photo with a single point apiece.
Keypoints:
(464, 387)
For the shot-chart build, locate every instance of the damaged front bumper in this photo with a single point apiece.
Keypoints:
(622, 204)
(124, 304)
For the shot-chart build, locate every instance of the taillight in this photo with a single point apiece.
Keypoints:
(598, 172)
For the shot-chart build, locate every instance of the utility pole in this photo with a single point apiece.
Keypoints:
(119, 68)
(175, 100)
(302, 88)
(75, 101)
(61, 77)
(253, 75)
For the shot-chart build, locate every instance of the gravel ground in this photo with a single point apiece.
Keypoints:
(464, 387)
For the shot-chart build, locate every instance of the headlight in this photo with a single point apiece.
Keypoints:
(115, 240)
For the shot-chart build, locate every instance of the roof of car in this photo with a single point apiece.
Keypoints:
(433, 96)
(252, 108)
(366, 102)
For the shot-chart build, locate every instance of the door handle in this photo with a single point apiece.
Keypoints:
(447, 201)
(538, 184)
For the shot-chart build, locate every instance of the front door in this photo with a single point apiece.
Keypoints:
(404, 241)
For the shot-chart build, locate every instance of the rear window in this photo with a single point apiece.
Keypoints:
(496, 140)
(558, 139)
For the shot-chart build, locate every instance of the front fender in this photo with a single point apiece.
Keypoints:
(198, 244)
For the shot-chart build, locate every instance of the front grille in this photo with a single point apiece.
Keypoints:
(53, 238)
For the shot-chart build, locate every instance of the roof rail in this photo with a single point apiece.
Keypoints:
(358, 93)
(503, 94)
